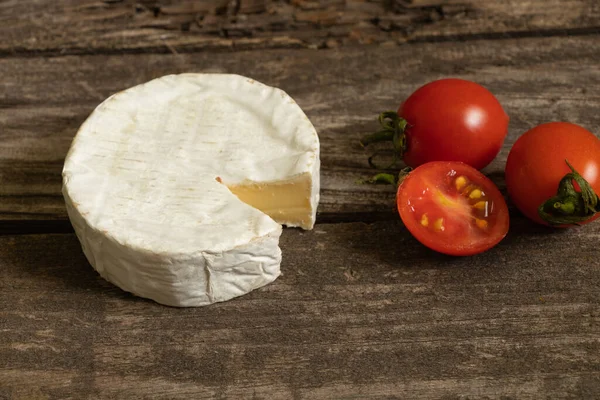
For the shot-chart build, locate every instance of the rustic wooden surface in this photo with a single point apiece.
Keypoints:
(371, 313)
(63, 27)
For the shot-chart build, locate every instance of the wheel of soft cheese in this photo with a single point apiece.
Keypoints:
(177, 188)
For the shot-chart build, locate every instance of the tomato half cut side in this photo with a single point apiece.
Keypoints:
(452, 208)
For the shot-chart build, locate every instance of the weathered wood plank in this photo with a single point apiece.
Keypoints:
(92, 26)
(372, 315)
(43, 101)
(500, 19)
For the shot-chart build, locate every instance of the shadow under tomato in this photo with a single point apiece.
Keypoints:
(390, 243)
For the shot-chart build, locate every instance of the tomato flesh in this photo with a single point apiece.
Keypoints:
(452, 208)
(536, 164)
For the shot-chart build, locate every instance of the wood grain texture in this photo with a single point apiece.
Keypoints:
(372, 315)
(43, 101)
(59, 27)
(362, 310)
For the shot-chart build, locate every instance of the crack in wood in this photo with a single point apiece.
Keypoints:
(227, 44)
(549, 33)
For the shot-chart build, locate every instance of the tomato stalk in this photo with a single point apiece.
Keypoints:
(383, 178)
(393, 130)
(389, 179)
(570, 207)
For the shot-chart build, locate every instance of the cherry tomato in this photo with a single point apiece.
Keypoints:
(452, 208)
(537, 163)
(446, 120)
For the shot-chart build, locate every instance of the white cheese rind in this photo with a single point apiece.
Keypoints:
(181, 280)
(141, 190)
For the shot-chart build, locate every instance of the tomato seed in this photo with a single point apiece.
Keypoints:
(481, 223)
(475, 194)
(460, 182)
(480, 205)
(439, 225)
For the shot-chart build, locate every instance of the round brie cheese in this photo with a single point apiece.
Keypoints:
(177, 188)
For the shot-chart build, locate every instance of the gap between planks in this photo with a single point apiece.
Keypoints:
(218, 47)
(61, 226)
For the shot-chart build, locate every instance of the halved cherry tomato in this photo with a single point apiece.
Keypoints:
(445, 120)
(536, 165)
(452, 208)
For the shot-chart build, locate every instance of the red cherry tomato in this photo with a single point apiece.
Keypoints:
(446, 120)
(453, 120)
(538, 161)
(452, 208)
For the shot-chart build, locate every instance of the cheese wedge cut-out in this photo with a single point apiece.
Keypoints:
(176, 188)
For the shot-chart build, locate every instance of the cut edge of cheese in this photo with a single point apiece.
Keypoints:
(288, 202)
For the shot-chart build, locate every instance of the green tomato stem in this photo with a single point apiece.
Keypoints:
(393, 130)
(388, 179)
(379, 136)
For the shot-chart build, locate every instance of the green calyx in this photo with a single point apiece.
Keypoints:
(570, 207)
(388, 179)
(392, 130)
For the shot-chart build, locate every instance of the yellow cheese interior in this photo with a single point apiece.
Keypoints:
(287, 202)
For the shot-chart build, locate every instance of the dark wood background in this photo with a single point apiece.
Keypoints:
(362, 311)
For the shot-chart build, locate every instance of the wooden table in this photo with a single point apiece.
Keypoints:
(362, 310)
